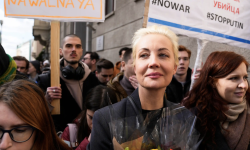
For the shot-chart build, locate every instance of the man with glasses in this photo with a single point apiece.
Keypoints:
(104, 71)
(22, 64)
(181, 80)
(90, 59)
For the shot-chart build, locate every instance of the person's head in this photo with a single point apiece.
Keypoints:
(104, 70)
(22, 64)
(96, 98)
(90, 58)
(222, 81)
(46, 63)
(184, 60)
(127, 64)
(25, 113)
(34, 67)
(122, 52)
(71, 49)
(155, 55)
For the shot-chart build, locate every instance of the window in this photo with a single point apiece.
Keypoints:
(109, 6)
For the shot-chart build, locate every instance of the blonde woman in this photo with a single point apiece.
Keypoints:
(155, 55)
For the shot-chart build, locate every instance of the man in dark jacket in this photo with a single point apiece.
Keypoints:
(181, 81)
(75, 78)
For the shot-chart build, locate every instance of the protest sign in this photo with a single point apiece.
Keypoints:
(223, 21)
(61, 10)
(55, 11)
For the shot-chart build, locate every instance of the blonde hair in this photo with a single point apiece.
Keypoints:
(155, 29)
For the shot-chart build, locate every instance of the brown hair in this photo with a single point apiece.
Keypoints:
(21, 58)
(104, 63)
(182, 48)
(27, 101)
(204, 98)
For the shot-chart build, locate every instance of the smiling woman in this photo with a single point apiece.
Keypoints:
(155, 53)
(25, 121)
(220, 98)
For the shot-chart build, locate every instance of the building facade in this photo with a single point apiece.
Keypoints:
(123, 18)
(24, 49)
(127, 17)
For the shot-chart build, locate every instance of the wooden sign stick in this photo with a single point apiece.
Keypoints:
(145, 16)
(54, 57)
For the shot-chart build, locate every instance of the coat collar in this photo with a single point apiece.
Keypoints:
(130, 111)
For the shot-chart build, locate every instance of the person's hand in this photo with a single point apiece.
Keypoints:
(54, 93)
(197, 75)
(89, 137)
(133, 81)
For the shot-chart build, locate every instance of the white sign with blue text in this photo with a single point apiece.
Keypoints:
(223, 21)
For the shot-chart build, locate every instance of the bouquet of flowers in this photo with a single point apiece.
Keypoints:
(169, 128)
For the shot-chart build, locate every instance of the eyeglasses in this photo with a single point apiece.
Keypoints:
(19, 134)
(85, 59)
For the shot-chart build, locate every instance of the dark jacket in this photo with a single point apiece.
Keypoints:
(115, 85)
(101, 138)
(175, 91)
(68, 106)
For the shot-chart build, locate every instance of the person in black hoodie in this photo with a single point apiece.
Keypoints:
(181, 81)
(75, 78)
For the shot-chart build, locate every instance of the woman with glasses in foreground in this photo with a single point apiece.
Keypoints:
(25, 121)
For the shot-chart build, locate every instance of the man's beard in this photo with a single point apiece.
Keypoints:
(73, 62)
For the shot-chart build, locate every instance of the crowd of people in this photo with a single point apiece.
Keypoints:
(149, 75)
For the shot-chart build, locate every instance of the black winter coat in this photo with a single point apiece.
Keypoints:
(69, 108)
(175, 91)
(101, 137)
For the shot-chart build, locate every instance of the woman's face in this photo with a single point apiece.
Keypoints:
(8, 121)
(31, 69)
(154, 62)
(89, 116)
(233, 87)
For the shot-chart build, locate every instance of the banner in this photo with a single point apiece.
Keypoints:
(60, 10)
(223, 21)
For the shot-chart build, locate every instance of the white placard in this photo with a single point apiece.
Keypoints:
(99, 43)
(60, 10)
(223, 21)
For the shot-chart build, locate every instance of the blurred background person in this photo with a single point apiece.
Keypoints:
(34, 70)
(7, 67)
(121, 84)
(118, 68)
(96, 99)
(104, 71)
(90, 59)
(22, 64)
(181, 81)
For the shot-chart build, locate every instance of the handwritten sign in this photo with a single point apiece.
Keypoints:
(61, 10)
(223, 21)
